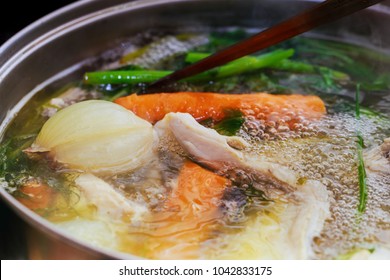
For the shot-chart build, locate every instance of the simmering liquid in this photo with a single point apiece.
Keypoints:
(238, 212)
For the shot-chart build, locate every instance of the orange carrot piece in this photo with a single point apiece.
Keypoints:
(208, 105)
(191, 214)
(36, 195)
(198, 191)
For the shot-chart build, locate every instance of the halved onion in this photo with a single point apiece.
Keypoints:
(97, 136)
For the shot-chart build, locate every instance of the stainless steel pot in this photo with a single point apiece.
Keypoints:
(74, 34)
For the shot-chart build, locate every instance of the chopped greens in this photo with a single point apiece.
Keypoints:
(361, 64)
(16, 169)
(12, 159)
(231, 124)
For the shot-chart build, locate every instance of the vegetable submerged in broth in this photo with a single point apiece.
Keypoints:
(234, 165)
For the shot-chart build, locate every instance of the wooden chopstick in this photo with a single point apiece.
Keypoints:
(320, 14)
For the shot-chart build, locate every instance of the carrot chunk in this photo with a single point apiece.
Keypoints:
(36, 195)
(214, 106)
(198, 191)
(191, 214)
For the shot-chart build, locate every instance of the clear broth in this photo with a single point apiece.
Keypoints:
(324, 151)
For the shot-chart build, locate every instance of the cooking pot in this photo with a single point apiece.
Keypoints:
(62, 45)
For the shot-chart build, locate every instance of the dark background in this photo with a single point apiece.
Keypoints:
(14, 17)
(18, 14)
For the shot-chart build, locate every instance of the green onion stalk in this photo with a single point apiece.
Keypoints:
(239, 66)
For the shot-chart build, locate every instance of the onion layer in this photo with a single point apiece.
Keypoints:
(97, 136)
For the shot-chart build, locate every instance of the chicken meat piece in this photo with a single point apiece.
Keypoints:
(284, 231)
(222, 154)
(110, 203)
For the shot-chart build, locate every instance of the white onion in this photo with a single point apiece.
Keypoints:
(97, 136)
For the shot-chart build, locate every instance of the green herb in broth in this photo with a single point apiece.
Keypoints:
(360, 63)
(13, 167)
(361, 169)
(231, 124)
(18, 170)
(362, 177)
(322, 151)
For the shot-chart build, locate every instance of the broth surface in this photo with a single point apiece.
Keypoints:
(236, 213)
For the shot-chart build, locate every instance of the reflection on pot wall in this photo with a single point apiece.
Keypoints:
(17, 239)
